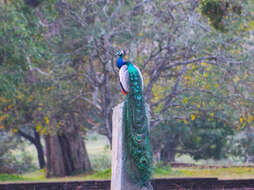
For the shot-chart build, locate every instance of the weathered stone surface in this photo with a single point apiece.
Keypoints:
(117, 149)
(119, 180)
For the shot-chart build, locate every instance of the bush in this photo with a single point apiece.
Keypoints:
(100, 162)
(17, 164)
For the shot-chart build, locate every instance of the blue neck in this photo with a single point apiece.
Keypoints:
(120, 62)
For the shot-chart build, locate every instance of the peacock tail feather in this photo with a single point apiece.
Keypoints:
(138, 155)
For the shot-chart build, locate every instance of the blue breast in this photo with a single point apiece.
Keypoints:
(120, 62)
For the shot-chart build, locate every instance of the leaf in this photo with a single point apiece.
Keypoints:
(2, 117)
(3, 99)
(46, 120)
(38, 127)
(185, 100)
(236, 79)
(241, 119)
(250, 118)
(208, 68)
(204, 64)
(208, 86)
(193, 117)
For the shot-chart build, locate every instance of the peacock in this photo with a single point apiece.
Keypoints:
(137, 149)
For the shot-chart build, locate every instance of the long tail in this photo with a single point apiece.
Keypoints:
(138, 155)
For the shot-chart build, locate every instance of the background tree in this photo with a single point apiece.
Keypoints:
(58, 76)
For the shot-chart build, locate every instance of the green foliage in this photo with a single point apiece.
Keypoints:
(10, 177)
(217, 12)
(13, 162)
(21, 34)
(204, 137)
(20, 164)
(208, 138)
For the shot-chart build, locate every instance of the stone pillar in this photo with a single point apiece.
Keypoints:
(119, 179)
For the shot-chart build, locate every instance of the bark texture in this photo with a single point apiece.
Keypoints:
(36, 141)
(66, 152)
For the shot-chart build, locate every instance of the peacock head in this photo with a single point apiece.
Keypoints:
(120, 62)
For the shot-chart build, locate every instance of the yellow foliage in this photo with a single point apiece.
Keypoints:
(250, 118)
(235, 51)
(185, 100)
(4, 116)
(216, 85)
(236, 79)
(50, 88)
(140, 34)
(193, 66)
(241, 119)
(208, 68)
(193, 117)
(3, 99)
(20, 95)
(38, 127)
(157, 92)
(208, 86)
(46, 120)
(205, 75)
(15, 130)
(158, 108)
(30, 98)
(251, 26)
(43, 131)
(198, 105)
(211, 114)
(204, 64)
(185, 121)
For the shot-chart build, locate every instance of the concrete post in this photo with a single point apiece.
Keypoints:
(119, 180)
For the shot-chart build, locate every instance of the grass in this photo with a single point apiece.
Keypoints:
(221, 173)
(10, 177)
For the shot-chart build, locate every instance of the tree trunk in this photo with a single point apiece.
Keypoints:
(66, 152)
(168, 155)
(36, 141)
(39, 148)
(168, 152)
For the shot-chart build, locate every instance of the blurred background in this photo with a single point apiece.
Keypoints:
(59, 84)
